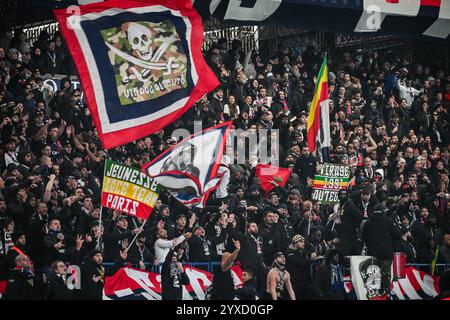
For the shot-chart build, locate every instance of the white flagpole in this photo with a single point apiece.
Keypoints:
(309, 220)
(101, 210)
(135, 237)
(99, 228)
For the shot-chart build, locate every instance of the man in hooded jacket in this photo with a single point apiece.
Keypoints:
(93, 274)
(379, 234)
(329, 283)
(173, 277)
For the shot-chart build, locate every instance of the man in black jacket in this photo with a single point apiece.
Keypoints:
(56, 243)
(404, 245)
(22, 282)
(365, 201)
(93, 274)
(19, 240)
(251, 255)
(163, 220)
(173, 277)
(199, 246)
(305, 166)
(329, 283)
(59, 286)
(349, 220)
(118, 239)
(270, 234)
(248, 290)
(297, 263)
(379, 234)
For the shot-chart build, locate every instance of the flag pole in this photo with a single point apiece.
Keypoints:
(100, 227)
(101, 209)
(135, 237)
(309, 220)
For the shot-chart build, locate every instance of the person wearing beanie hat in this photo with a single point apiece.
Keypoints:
(93, 273)
(379, 235)
(22, 281)
(298, 262)
(19, 241)
(365, 201)
(173, 277)
(405, 245)
(278, 280)
(348, 220)
(118, 237)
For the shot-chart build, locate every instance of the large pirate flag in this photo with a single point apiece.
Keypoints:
(139, 62)
(190, 169)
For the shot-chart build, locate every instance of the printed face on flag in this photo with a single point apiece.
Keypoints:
(189, 169)
(194, 156)
(140, 64)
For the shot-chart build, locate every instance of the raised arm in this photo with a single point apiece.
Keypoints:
(48, 188)
(227, 260)
(40, 133)
(373, 144)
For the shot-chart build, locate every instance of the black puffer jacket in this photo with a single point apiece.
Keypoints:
(379, 234)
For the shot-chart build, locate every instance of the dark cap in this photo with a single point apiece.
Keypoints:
(121, 217)
(66, 143)
(92, 253)
(16, 235)
(278, 254)
(12, 167)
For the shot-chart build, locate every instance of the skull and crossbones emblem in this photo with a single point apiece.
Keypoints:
(141, 39)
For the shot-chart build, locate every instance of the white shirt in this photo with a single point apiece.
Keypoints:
(226, 110)
(11, 157)
(221, 191)
(162, 247)
(407, 93)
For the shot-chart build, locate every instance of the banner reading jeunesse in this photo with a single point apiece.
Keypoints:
(128, 190)
(330, 179)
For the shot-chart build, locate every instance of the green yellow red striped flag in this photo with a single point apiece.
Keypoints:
(128, 190)
(329, 179)
(320, 95)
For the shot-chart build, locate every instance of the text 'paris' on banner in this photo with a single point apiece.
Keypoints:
(128, 190)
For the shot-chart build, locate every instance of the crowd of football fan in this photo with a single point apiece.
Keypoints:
(389, 123)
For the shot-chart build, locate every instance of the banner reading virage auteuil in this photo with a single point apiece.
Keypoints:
(128, 190)
(328, 181)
